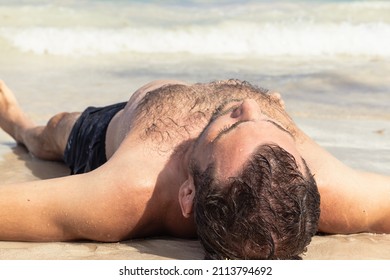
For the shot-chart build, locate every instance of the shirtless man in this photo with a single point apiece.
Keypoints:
(147, 186)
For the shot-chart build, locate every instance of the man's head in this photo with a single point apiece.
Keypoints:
(269, 210)
(251, 192)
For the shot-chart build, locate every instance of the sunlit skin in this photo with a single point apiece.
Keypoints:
(235, 133)
(141, 191)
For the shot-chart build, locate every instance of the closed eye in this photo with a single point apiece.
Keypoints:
(225, 128)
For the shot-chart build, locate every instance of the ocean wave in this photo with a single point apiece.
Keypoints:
(233, 38)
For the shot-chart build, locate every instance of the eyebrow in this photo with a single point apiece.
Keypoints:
(226, 131)
(280, 127)
(232, 127)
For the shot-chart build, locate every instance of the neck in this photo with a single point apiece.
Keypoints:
(175, 173)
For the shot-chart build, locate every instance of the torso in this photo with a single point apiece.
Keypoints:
(164, 118)
(155, 123)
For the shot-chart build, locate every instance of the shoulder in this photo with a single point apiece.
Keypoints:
(117, 201)
(140, 93)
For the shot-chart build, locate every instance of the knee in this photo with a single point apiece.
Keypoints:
(59, 121)
(56, 129)
(59, 128)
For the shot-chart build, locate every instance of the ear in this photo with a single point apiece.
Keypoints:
(276, 97)
(186, 197)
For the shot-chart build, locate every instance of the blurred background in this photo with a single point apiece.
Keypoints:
(329, 59)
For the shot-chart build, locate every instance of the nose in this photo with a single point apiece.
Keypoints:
(248, 110)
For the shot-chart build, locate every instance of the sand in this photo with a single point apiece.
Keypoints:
(364, 246)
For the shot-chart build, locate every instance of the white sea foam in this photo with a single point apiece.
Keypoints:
(252, 28)
(233, 38)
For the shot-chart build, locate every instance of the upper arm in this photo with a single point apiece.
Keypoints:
(67, 208)
(101, 210)
(351, 201)
(358, 202)
(343, 207)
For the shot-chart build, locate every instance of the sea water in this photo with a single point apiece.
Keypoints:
(329, 59)
(222, 28)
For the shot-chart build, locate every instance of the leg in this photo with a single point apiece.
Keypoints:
(49, 142)
(45, 142)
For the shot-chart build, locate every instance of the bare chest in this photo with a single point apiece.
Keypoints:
(172, 115)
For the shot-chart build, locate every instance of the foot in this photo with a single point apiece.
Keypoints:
(12, 118)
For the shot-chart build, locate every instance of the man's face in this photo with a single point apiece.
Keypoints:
(236, 129)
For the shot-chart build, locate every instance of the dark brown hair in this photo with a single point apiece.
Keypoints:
(270, 210)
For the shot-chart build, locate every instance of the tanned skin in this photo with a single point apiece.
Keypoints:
(118, 201)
